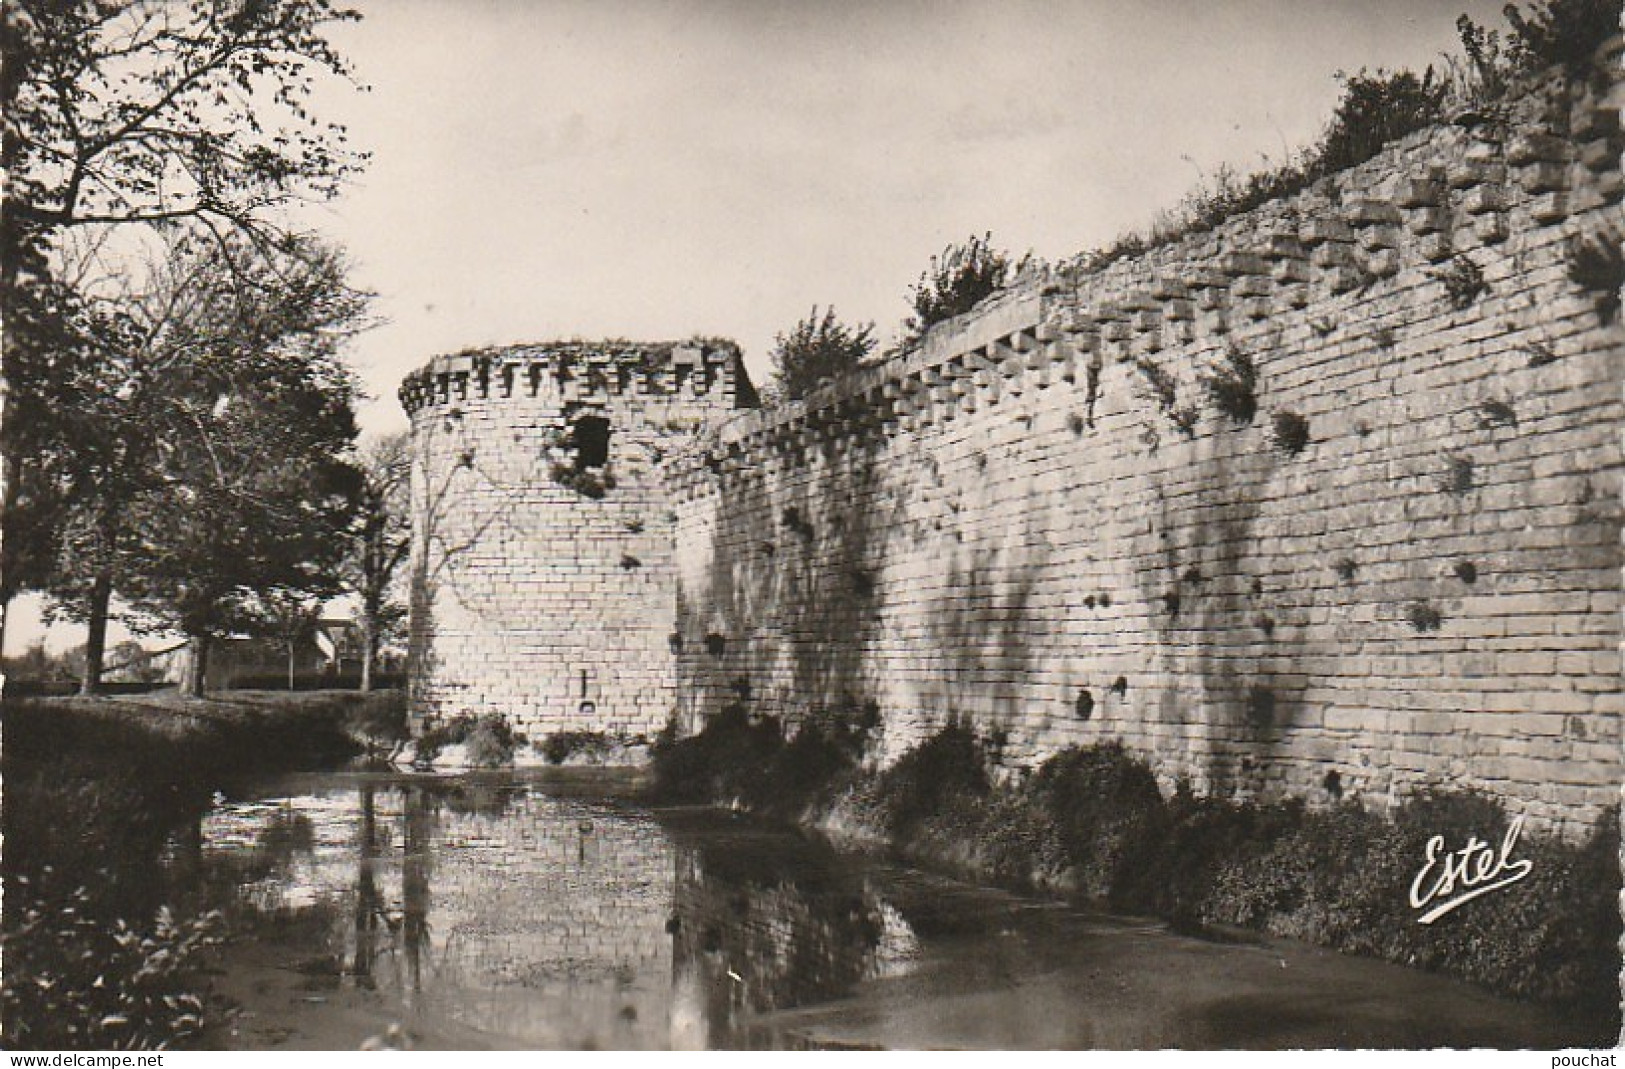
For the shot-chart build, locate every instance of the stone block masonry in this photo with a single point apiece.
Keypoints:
(1325, 502)
(542, 573)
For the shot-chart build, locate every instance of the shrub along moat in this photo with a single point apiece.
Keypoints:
(1092, 822)
(99, 951)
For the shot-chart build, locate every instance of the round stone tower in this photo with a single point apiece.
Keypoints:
(543, 584)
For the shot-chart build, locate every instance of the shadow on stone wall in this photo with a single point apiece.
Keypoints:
(795, 597)
(1205, 600)
(792, 598)
(983, 623)
(436, 499)
(1441, 323)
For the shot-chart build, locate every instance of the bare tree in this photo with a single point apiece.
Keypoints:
(382, 541)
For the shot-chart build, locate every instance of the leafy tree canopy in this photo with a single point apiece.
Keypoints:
(206, 472)
(146, 113)
(257, 497)
(121, 111)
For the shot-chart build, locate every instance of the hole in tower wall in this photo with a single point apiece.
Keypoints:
(1085, 704)
(589, 441)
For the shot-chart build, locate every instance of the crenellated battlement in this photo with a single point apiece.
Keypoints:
(706, 370)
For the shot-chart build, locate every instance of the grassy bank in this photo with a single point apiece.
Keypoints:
(233, 731)
(97, 953)
(82, 775)
(1092, 822)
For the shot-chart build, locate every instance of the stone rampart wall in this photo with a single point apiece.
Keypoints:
(1392, 559)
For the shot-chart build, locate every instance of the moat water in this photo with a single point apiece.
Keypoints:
(550, 909)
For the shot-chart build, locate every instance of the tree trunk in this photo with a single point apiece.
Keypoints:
(197, 672)
(8, 464)
(5, 609)
(101, 596)
(369, 652)
(292, 648)
(415, 884)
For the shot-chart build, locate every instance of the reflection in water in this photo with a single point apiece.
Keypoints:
(416, 866)
(369, 903)
(507, 911)
(546, 920)
(762, 922)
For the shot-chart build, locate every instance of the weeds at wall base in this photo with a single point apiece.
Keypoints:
(489, 740)
(755, 762)
(1092, 822)
(589, 747)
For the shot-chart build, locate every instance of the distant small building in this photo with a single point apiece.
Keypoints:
(331, 649)
(340, 641)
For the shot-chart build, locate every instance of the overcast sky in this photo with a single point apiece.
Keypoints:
(658, 169)
(593, 168)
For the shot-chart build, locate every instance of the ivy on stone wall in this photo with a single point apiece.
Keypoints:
(1598, 267)
(1233, 386)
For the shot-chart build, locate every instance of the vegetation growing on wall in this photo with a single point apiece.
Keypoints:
(1377, 108)
(589, 481)
(1463, 282)
(1598, 267)
(1290, 432)
(957, 280)
(816, 350)
(1233, 386)
(1561, 33)
(1163, 390)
